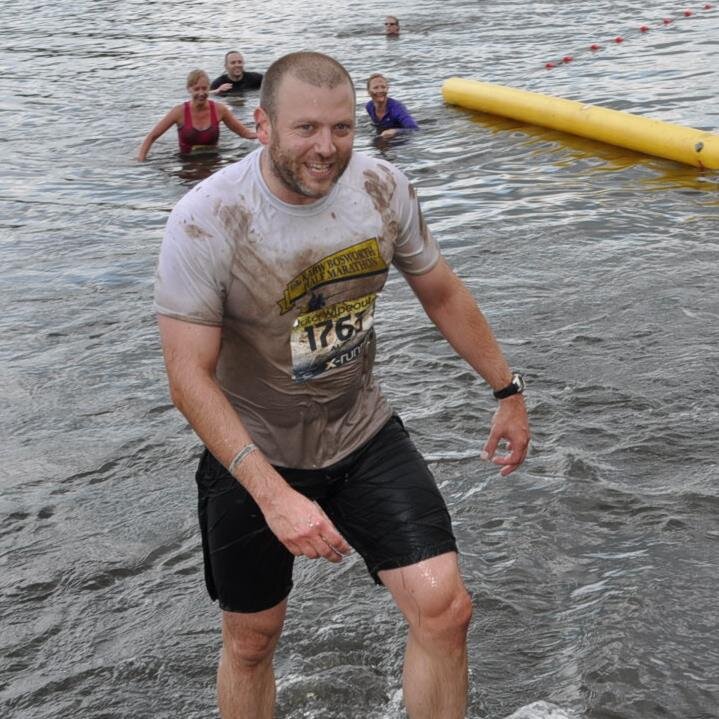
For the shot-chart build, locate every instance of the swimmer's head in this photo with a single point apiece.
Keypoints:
(391, 25)
(196, 75)
(376, 76)
(234, 64)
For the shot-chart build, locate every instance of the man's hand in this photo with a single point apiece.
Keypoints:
(304, 528)
(510, 426)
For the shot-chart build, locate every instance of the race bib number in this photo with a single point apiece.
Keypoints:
(330, 337)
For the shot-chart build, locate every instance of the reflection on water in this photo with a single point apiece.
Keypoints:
(592, 570)
(197, 167)
(383, 144)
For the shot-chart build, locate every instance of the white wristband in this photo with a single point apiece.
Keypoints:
(240, 457)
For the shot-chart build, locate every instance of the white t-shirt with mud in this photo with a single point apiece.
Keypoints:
(294, 289)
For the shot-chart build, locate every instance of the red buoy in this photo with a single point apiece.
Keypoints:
(644, 28)
(687, 13)
(550, 65)
(594, 47)
(567, 58)
(618, 39)
(667, 21)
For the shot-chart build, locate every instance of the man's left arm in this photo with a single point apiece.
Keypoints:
(453, 309)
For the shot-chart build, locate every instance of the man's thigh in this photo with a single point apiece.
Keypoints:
(247, 569)
(388, 506)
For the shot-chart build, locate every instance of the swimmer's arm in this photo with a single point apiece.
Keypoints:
(225, 87)
(394, 131)
(406, 121)
(450, 305)
(234, 124)
(173, 117)
(191, 354)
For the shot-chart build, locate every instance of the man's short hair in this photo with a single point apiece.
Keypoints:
(232, 52)
(314, 68)
(195, 75)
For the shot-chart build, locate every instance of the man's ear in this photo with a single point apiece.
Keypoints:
(263, 126)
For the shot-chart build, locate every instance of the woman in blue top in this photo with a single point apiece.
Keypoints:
(389, 116)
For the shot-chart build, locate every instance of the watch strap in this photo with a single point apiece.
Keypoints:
(516, 386)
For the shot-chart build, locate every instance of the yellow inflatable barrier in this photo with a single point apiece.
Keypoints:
(652, 137)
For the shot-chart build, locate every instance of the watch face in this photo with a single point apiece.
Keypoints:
(518, 382)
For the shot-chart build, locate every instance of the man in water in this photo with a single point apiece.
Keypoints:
(235, 79)
(391, 26)
(265, 294)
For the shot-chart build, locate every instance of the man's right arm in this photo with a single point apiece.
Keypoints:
(191, 353)
(219, 86)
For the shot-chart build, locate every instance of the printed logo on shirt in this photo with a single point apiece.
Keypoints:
(360, 260)
(330, 337)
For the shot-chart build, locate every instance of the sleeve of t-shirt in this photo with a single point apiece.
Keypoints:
(216, 83)
(416, 251)
(404, 118)
(193, 270)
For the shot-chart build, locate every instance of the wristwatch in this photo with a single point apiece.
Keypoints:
(516, 386)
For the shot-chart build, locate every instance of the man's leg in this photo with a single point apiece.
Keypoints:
(245, 677)
(438, 608)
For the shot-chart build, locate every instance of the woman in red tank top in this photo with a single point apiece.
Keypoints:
(198, 120)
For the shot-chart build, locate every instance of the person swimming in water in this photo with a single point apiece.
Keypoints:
(391, 26)
(198, 120)
(235, 79)
(389, 116)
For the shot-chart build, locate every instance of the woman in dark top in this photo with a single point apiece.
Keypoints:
(389, 116)
(198, 120)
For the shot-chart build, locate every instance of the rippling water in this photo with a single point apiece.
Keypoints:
(593, 570)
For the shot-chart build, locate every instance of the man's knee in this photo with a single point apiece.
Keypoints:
(249, 641)
(447, 615)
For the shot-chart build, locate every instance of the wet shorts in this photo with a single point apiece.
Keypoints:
(382, 498)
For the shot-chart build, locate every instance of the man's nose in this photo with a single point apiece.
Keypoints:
(324, 142)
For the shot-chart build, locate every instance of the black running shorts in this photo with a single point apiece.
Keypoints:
(382, 498)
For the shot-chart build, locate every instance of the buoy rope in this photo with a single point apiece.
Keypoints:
(618, 39)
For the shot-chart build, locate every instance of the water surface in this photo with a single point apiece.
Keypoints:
(593, 569)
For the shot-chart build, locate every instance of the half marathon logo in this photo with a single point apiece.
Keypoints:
(360, 260)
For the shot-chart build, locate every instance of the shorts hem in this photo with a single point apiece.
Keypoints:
(413, 558)
(256, 606)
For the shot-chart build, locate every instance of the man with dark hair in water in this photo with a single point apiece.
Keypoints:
(265, 294)
(391, 26)
(235, 79)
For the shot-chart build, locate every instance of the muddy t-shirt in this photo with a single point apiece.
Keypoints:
(294, 288)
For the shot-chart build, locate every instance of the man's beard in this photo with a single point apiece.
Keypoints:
(288, 171)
